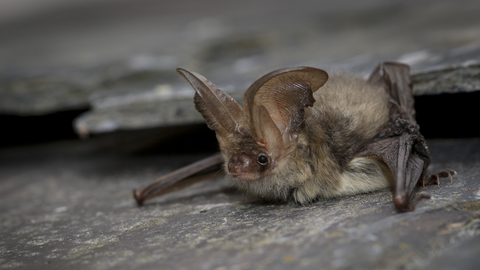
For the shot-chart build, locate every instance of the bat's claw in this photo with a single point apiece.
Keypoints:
(434, 179)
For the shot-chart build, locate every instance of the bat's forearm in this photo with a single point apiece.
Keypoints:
(178, 179)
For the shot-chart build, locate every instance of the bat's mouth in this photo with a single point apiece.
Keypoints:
(247, 177)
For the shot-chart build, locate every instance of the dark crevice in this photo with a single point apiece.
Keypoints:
(21, 130)
(449, 115)
(439, 116)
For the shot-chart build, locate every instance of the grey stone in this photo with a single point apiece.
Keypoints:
(68, 205)
(453, 79)
(39, 94)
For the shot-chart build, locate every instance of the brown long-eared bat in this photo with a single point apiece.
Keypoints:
(302, 136)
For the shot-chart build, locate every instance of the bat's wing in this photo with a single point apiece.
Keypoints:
(181, 178)
(400, 145)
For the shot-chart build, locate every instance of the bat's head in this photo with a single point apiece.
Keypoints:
(257, 141)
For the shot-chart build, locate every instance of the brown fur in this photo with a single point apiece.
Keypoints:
(347, 114)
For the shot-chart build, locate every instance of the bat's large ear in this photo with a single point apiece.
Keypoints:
(221, 112)
(274, 105)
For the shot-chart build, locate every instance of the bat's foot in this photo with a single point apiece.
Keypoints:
(420, 197)
(405, 205)
(434, 179)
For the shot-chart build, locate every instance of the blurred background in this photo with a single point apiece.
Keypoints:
(89, 68)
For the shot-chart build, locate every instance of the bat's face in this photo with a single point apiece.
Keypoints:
(248, 159)
(256, 140)
(251, 164)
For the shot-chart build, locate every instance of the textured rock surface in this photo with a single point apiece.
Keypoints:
(43, 93)
(63, 206)
(452, 79)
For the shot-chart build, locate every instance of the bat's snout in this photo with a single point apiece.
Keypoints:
(243, 167)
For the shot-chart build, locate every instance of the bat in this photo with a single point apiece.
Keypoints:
(303, 135)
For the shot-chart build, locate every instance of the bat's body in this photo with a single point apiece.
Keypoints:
(347, 115)
(302, 135)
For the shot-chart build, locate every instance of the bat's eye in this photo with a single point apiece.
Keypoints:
(262, 160)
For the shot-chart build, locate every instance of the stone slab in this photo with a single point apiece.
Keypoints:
(66, 206)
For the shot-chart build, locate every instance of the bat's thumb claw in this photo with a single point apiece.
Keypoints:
(401, 202)
(138, 197)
